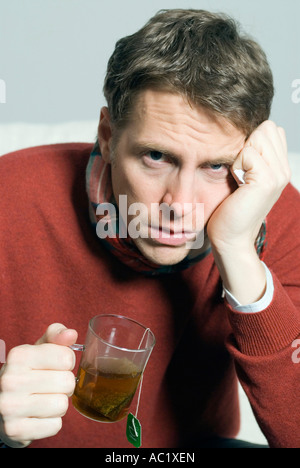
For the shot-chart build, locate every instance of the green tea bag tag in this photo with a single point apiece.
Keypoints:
(134, 431)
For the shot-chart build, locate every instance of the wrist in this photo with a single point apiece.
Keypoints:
(234, 247)
(242, 273)
(258, 306)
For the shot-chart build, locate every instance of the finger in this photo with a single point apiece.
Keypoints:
(264, 142)
(34, 406)
(59, 334)
(29, 429)
(51, 333)
(269, 131)
(40, 381)
(265, 147)
(37, 381)
(45, 357)
(48, 406)
(249, 163)
(269, 181)
(270, 141)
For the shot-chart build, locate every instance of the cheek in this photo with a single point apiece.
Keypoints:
(120, 181)
(125, 183)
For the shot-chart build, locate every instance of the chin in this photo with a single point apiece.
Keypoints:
(161, 254)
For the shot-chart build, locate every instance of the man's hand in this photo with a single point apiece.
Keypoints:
(235, 224)
(35, 384)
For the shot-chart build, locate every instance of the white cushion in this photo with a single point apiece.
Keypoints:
(22, 135)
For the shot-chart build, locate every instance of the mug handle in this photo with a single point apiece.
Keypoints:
(77, 347)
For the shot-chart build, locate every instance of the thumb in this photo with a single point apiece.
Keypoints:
(58, 334)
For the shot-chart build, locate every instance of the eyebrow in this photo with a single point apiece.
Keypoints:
(226, 160)
(142, 147)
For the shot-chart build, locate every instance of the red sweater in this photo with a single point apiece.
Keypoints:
(53, 268)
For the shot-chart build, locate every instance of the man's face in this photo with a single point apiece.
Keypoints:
(175, 154)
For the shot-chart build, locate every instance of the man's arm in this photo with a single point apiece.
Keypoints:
(262, 342)
(262, 347)
(234, 226)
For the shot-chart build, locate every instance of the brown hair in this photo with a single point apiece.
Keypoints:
(198, 54)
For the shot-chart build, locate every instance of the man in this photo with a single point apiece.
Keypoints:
(186, 126)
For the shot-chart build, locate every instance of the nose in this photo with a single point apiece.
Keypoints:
(180, 193)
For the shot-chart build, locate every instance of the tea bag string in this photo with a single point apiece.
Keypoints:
(141, 379)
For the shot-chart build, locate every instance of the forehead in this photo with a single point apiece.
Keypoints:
(167, 118)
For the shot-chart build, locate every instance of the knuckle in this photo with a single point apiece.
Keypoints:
(51, 331)
(267, 125)
(68, 359)
(56, 425)
(12, 429)
(255, 137)
(8, 383)
(63, 405)
(12, 381)
(69, 383)
(249, 152)
(8, 405)
(18, 355)
(53, 328)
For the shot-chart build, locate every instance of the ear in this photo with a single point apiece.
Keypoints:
(105, 134)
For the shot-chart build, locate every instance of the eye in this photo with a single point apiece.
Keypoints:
(155, 155)
(155, 159)
(217, 172)
(216, 167)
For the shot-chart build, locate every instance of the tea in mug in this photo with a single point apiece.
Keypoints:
(104, 392)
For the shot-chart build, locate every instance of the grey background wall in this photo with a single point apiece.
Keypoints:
(53, 53)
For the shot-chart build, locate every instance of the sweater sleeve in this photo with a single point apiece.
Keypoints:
(263, 344)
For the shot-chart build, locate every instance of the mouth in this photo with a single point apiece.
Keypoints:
(170, 237)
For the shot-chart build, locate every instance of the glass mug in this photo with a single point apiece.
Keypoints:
(115, 354)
